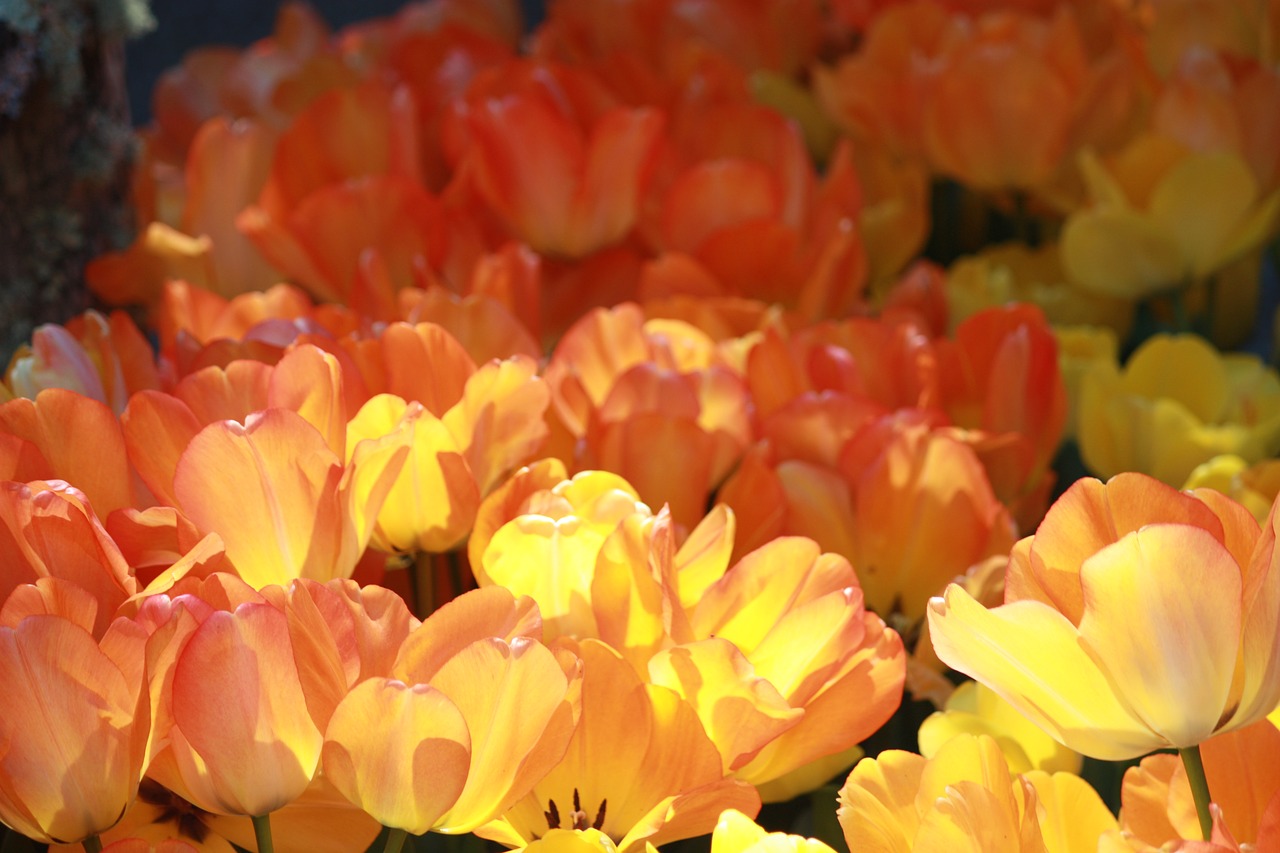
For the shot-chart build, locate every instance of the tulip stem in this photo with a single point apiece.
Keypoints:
(1199, 788)
(395, 840)
(92, 844)
(424, 584)
(262, 831)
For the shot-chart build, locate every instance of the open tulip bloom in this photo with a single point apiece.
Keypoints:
(1136, 618)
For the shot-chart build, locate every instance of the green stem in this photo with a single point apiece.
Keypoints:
(395, 840)
(1199, 788)
(262, 831)
(92, 844)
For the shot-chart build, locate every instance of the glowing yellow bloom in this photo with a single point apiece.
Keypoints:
(737, 833)
(964, 800)
(1014, 272)
(1255, 486)
(1136, 618)
(977, 710)
(1177, 403)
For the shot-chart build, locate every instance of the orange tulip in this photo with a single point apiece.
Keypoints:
(279, 497)
(1137, 617)
(563, 181)
(48, 530)
(76, 439)
(1240, 768)
(74, 722)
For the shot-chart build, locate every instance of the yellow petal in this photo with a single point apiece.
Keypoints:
(1031, 655)
(1200, 203)
(399, 752)
(740, 711)
(1162, 615)
(1073, 816)
(877, 803)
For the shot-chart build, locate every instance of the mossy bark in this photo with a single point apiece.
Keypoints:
(65, 151)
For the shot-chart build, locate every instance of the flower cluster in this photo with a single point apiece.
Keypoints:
(580, 437)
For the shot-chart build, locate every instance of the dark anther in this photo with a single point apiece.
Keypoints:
(553, 815)
(599, 821)
(579, 816)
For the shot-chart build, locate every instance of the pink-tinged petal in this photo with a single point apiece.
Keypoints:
(341, 636)
(265, 488)
(399, 752)
(519, 704)
(1031, 655)
(244, 740)
(1162, 617)
(740, 711)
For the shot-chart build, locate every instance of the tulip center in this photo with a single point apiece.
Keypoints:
(174, 809)
(576, 819)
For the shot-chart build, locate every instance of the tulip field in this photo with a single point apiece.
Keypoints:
(756, 426)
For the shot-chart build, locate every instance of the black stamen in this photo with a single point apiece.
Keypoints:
(599, 821)
(553, 815)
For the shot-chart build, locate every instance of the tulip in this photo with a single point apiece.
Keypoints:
(1177, 403)
(965, 798)
(975, 709)
(1157, 799)
(74, 722)
(1136, 618)
(639, 768)
(737, 833)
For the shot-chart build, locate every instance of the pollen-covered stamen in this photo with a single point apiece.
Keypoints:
(579, 816)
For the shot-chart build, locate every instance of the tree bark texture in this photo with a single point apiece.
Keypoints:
(65, 151)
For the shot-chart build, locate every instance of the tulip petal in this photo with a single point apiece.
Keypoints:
(251, 744)
(399, 752)
(1162, 615)
(511, 695)
(877, 803)
(1031, 655)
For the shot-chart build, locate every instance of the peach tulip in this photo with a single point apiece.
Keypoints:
(1136, 618)
(74, 722)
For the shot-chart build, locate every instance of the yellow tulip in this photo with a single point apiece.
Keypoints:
(1014, 272)
(1177, 403)
(1255, 486)
(1136, 618)
(975, 709)
(737, 833)
(965, 800)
